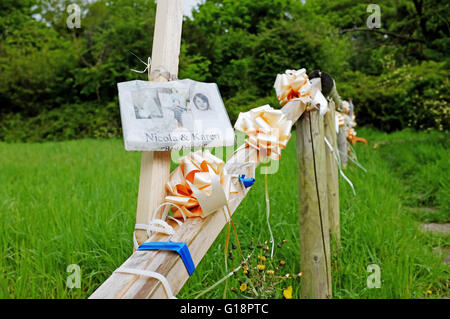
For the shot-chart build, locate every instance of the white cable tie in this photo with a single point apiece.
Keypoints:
(176, 220)
(148, 273)
(159, 226)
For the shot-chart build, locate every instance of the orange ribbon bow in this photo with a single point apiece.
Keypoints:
(197, 185)
(351, 137)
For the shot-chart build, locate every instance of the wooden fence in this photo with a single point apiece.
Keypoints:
(317, 183)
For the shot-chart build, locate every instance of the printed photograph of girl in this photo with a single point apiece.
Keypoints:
(201, 102)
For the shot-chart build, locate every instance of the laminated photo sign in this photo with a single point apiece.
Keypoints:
(173, 115)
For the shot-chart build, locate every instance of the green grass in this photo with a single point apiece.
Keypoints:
(74, 203)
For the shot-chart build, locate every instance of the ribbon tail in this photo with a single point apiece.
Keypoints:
(348, 181)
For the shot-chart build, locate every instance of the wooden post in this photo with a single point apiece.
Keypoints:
(343, 146)
(313, 208)
(332, 174)
(155, 166)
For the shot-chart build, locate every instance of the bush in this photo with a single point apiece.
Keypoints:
(67, 122)
(415, 96)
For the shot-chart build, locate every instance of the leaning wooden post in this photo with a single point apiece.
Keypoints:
(332, 173)
(313, 207)
(155, 166)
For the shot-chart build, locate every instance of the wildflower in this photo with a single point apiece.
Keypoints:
(282, 262)
(261, 267)
(245, 269)
(287, 293)
(429, 292)
(263, 258)
(243, 287)
(270, 272)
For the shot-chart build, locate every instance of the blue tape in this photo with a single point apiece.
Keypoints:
(181, 248)
(247, 181)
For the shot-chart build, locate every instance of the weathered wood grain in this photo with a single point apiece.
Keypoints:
(313, 208)
(343, 146)
(332, 174)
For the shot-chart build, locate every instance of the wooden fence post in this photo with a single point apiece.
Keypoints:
(332, 174)
(155, 166)
(313, 207)
(343, 146)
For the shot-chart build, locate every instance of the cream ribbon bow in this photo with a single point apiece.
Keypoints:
(294, 86)
(268, 130)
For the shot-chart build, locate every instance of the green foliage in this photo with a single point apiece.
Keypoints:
(409, 96)
(66, 122)
(397, 75)
(34, 63)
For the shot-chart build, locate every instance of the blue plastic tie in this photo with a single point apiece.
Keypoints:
(247, 181)
(181, 248)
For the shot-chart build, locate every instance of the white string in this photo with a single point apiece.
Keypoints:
(148, 273)
(158, 225)
(272, 241)
(348, 181)
(147, 65)
(339, 164)
(155, 72)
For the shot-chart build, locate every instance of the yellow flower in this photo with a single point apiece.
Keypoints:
(261, 267)
(243, 287)
(429, 292)
(245, 269)
(263, 258)
(270, 272)
(287, 293)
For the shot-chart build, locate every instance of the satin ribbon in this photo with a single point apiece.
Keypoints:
(268, 130)
(351, 137)
(197, 185)
(348, 122)
(294, 86)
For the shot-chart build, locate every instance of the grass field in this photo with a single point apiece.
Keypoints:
(74, 203)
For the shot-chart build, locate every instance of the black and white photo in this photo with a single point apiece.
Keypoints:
(173, 115)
